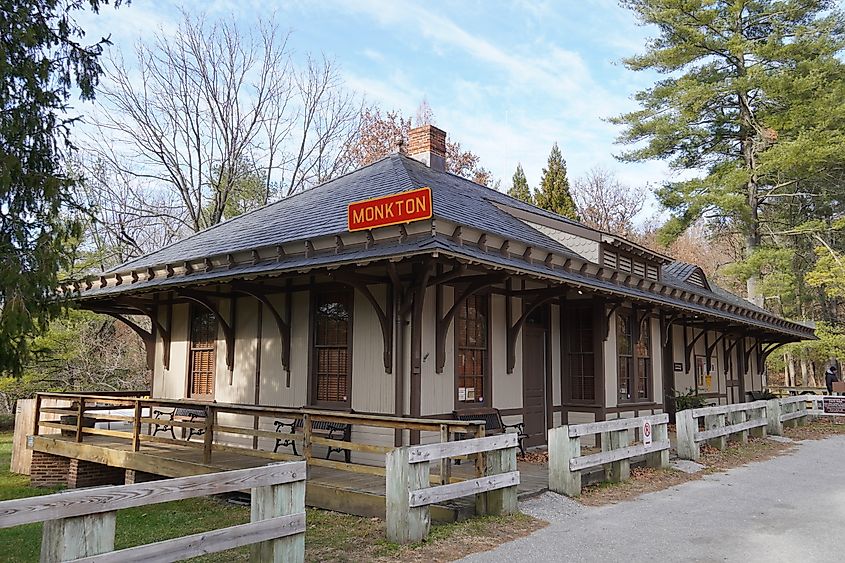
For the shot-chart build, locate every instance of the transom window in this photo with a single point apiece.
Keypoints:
(633, 346)
(332, 359)
(202, 356)
(473, 353)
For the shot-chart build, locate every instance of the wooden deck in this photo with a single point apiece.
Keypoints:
(328, 488)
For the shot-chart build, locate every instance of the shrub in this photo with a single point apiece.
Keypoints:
(688, 400)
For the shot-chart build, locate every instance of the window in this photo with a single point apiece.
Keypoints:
(633, 347)
(582, 375)
(472, 357)
(202, 355)
(332, 353)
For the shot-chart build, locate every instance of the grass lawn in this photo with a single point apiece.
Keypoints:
(330, 536)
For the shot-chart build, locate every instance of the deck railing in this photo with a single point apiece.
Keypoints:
(86, 410)
(80, 525)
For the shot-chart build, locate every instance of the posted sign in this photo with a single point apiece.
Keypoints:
(833, 405)
(646, 433)
(405, 207)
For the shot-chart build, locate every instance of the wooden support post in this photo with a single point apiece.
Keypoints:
(660, 433)
(67, 539)
(712, 421)
(802, 406)
(37, 415)
(617, 471)
(405, 524)
(80, 413)
(773, 410)
(136, 426)
(501, 501)
(208, 436)
(273, 501)
(562, 449)
(686, 426)
(755, 414)
(306, 436)
(738, 417)
(446, 462)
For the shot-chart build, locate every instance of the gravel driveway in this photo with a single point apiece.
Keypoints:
(790, 508)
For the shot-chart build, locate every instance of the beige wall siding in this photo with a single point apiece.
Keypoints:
(372, 386)
(238, 386)
(172, 383)
(507, 387)
(656, 361)
(437, 389)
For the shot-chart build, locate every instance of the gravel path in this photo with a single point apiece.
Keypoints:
(790, 508)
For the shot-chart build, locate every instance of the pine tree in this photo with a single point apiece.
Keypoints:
(554, 193)
(520, 190)
(745, 98)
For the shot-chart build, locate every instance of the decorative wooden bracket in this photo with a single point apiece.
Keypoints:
(689, 348)
(764, 355)
(282, 324)
(613, 308)
(228, 333)
(746, 361)
(709, 349)
(443, 323)
(384, 315)
(729, 350)
(516, 328)
(146, 336)
(669, 323)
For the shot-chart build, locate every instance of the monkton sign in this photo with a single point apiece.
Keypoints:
(404, 207)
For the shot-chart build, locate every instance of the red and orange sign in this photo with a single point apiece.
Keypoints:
(405, 207)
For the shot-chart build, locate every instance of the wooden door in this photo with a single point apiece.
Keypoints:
(534, 375)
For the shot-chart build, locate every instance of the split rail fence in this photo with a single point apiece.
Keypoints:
(409, 495)
(566, 462)
(80, 525)
(714, 425)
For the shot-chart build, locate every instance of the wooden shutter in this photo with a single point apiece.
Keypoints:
(203, 354)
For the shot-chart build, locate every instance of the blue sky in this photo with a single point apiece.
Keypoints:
(506, 79)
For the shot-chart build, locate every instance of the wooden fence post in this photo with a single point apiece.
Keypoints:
(660, 433)
(738, 417)
(273, 501)
(712, 421)
(445, 462)
(686, 426)
(562, 449)
(501, 501)
(306, 436)
(773, 410)
(802, 406)
(759, 431)
(136, 426)
(405, 524)
(480, 468)
(208, 436)
(617, 471)
(80, 536)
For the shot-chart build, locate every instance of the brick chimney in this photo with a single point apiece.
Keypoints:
(427, 144)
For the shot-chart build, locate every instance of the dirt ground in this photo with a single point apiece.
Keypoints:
(646, 480)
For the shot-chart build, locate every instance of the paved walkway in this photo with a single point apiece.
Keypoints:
(790, 508)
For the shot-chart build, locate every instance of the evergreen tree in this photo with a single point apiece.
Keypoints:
(748, 90)
(520, 190)
(43, 61)
(554, 193)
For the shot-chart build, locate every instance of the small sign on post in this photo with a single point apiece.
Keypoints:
(646, 433)
(833, 405)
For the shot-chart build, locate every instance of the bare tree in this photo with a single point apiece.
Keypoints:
(203, 108)
(605, 203)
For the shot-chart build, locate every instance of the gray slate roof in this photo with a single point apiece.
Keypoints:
(321, 211)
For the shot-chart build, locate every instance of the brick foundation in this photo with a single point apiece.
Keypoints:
(48, 470)
(133, 476)
(88, 474)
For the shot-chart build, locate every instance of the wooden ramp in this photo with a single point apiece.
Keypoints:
(326, 488)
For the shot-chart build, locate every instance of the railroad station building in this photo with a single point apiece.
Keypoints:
(402, 289)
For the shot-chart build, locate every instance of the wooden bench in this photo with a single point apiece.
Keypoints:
(493, 423)
(330, 430)
(179, 414)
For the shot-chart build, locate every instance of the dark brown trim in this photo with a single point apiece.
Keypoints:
(488, 364)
